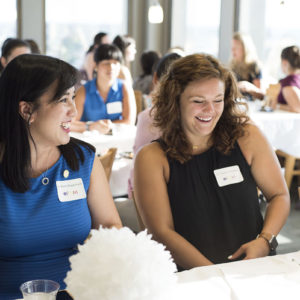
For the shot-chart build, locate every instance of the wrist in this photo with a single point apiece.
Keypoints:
(270, 239)
(87, 125)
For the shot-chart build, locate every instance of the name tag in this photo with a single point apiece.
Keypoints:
(229, 175)
(114, 107)
(70, 190)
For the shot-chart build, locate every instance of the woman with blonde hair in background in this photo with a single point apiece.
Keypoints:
(245, 66)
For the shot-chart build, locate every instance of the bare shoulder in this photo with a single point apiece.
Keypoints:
(253, 141)
(151, 152)
(152, 160)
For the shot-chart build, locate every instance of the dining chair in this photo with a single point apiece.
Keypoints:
(107, 161)
(272, 93)
(139, 101)
(290, 166)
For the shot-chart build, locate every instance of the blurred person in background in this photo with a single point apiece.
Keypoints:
(286, 95)
(106, 98)
(128, 48)
(12, 48)
(144, 82)
(87, 71)
(244, 63)
(33, 46)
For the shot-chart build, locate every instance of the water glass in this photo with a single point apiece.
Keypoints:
(41, 289)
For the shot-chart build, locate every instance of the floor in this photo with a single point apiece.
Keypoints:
(289, 237)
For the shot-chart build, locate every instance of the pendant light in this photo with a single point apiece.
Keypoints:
(155, 13)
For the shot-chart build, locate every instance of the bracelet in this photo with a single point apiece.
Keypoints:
(261, 236)
(87, 125)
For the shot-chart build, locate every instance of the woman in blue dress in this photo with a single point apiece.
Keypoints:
(106, 98)
(52, 189)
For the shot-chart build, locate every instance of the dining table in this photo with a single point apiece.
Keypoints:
(121, 137)
(282, 128)
(268, 278)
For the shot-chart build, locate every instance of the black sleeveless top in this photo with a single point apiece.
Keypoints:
(216, 220)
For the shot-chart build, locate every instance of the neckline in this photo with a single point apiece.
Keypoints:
(49, 169)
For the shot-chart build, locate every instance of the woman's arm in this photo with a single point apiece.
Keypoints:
(102, 208)
(129, 106)
(267, 174)
(251, 88)
(151, 172)
(103, 126)
(125, 75)
(257, 82)
(291, 95)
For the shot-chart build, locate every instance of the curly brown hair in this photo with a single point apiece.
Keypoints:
(166, 107)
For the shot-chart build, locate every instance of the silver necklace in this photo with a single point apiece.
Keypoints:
(45, 179)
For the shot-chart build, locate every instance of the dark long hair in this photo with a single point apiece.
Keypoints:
(27, 78)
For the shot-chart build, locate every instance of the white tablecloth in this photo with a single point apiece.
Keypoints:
(268, 278)
(280, 127)
(122, 139)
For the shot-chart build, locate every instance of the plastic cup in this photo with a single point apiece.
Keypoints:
(41, 289)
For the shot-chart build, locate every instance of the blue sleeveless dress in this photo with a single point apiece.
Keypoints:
(94, 107)
(38, 232)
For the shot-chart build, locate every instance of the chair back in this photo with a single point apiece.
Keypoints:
(289, 163)
(272, 94)
(107, 161)
(139, 101)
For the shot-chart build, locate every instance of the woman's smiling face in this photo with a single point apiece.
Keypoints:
(201, 105)
(50, 122)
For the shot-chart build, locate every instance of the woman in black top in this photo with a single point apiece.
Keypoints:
(196, 186)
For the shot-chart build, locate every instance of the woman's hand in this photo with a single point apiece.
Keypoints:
(254, 249)
(103, 126)
(250, 88)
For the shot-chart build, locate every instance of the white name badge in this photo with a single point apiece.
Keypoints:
(229, 175)
(114, 107)
(70, 190)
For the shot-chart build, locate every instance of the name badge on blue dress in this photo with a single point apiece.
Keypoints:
(70, 190)
(114, 107)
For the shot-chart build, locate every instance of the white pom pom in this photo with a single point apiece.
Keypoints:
(117, 264)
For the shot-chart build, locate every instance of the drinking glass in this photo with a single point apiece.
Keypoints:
(41, 289)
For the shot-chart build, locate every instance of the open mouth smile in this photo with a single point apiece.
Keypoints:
(202, 119)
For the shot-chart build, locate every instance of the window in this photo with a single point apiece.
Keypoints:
(275, 26)
(282, 30)
(8, 20)
(196, 25)
(72, 24)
